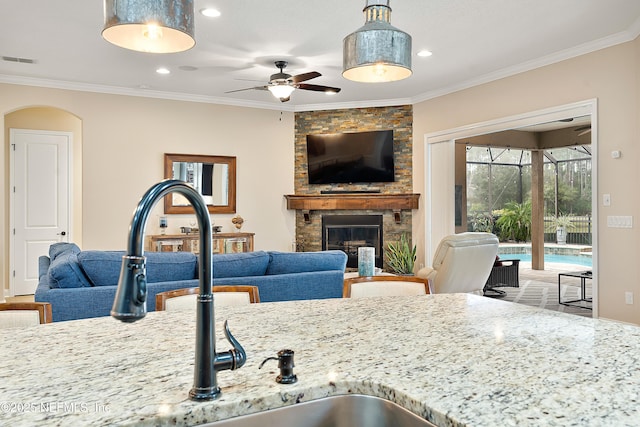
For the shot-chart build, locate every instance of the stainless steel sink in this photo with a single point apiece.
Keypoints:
(339, 411)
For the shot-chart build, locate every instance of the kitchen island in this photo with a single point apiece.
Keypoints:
(456, 360)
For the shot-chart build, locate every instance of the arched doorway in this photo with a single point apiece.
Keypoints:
(43, 119)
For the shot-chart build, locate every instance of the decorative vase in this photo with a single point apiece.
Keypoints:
(366, 261)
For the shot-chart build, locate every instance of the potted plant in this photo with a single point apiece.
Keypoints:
(515, 222)
(401, 257)
(562, 224)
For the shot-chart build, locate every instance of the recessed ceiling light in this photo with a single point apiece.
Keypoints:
(163, 70)
(425, 53)
(331, 92)
(210, 12)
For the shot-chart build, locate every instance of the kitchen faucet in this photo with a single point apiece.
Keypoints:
(130, 301)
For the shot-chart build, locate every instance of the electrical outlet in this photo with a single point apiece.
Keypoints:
(614, 221)
(628, 297)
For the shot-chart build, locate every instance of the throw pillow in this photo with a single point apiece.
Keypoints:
(240, 265)
(302, 262)
(103, 267)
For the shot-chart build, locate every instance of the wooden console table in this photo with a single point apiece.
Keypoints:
(222, 243)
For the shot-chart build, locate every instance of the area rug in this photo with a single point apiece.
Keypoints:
(545, 295)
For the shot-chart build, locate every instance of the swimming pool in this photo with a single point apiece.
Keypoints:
(564, 259)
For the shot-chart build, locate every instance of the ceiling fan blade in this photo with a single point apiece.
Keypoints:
(249, 88)
(583, 130)
(304, 77)
(318, 88)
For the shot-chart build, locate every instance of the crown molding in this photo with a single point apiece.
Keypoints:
(352, 105)
(563, 55)
(143, 93)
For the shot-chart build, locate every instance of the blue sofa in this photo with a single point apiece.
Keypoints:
(82, 284)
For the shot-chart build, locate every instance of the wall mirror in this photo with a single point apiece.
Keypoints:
(213, 176)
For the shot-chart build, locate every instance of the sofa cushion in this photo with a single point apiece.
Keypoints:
(240, 264)
(302, 262)
(65, 272)
(103, 267)
(61, 248)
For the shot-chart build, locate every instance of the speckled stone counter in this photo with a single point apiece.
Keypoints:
(453, 359)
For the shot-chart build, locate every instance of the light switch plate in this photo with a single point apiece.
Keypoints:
(606, 200)
(619, 221)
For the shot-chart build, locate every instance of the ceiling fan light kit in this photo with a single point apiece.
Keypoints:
(155, 26)
(377, 52)
(281, 85)
(281, 91)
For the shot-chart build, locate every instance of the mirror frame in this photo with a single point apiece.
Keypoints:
(170, 208)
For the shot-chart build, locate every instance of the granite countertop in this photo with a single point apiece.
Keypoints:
(453, 359)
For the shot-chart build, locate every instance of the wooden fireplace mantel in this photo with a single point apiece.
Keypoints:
(352, 201)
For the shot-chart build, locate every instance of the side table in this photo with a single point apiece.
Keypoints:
(583, 276)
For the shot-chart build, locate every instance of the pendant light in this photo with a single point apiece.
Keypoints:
(377, 51)
(156, 26)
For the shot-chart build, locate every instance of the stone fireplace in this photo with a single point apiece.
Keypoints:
(350, 232)
(311, 211)
(393, 202)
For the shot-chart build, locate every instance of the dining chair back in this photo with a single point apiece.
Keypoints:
(21, 314)
(223, 295)
(376, 286)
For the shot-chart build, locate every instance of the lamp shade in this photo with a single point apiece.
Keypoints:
(281, 90)
(156, 26)
(377, 51)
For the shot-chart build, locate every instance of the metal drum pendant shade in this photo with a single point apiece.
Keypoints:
(156, 26)
(377, 51)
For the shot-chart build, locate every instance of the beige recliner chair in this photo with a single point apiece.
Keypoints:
(462, 263)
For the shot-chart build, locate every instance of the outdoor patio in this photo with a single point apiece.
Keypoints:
(539, 288)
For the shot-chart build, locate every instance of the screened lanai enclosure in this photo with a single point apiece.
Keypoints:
(497, 176)
(529, 185)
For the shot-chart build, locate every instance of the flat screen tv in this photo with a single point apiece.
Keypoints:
(342, 158)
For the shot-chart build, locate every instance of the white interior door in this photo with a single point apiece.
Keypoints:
(40, 201)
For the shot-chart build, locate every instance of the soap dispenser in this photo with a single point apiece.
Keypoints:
(285, 363)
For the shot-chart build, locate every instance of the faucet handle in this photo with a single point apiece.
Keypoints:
(232, 359)
(238, 353)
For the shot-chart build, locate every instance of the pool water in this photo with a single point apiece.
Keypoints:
(564, 259)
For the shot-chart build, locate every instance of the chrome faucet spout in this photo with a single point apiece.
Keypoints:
(130, 303)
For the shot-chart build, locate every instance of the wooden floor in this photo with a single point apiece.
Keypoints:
(21, 298)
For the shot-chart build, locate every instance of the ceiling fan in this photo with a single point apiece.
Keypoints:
(282, 85)
(583, 130)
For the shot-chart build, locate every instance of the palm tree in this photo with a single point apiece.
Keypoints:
(515, 222)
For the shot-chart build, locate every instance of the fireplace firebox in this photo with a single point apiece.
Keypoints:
(349, 232)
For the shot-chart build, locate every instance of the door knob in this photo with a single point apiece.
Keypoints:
(62, 233)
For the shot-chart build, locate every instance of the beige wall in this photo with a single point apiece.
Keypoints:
(123, 142)
(610, 75)
(124, 138)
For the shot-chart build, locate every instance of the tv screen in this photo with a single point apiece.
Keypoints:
(358, 157)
